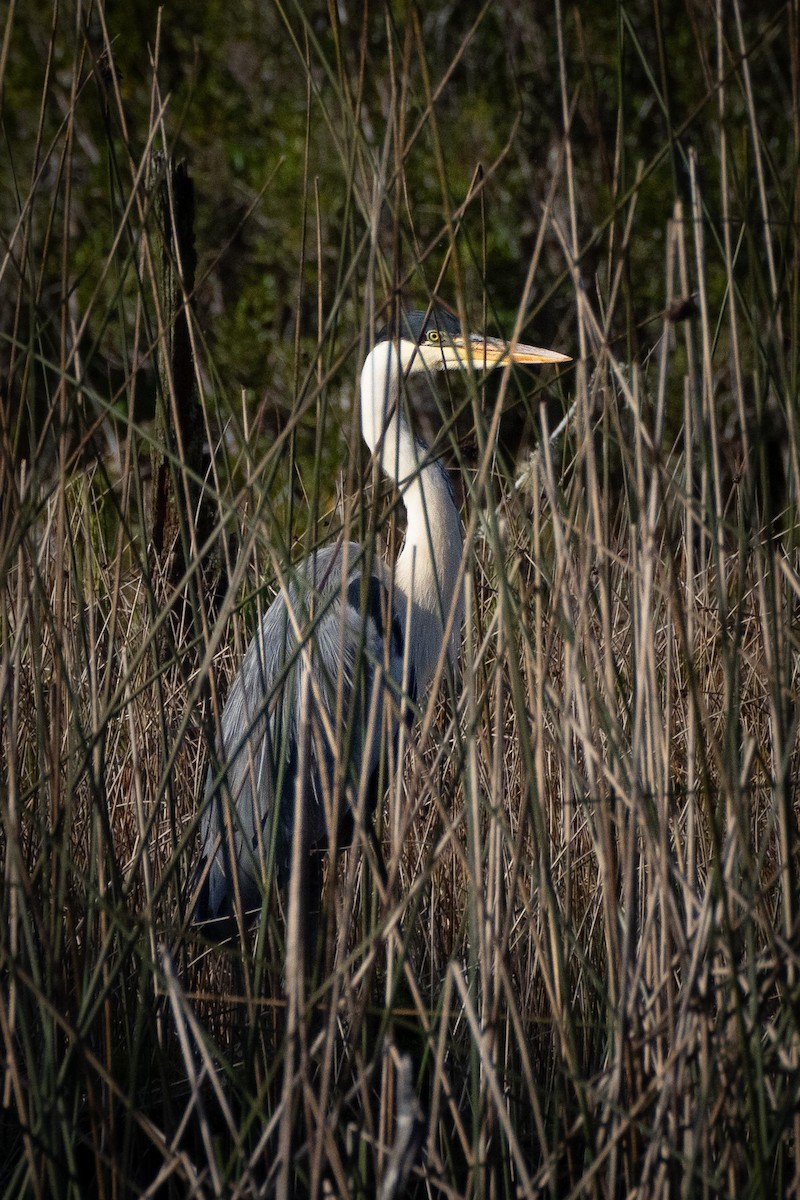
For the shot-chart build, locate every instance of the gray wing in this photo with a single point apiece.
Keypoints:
(345, 626)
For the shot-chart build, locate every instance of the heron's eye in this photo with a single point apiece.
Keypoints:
(433, 335)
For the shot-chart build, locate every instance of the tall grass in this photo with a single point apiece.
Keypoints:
(582, 975)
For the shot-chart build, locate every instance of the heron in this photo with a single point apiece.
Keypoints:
(346, 637)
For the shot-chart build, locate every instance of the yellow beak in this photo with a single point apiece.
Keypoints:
(488, 352)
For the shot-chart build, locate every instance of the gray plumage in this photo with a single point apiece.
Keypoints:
(352, 642)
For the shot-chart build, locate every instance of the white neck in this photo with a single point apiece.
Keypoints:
(427, 568)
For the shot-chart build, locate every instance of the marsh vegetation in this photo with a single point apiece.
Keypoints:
(580, 977)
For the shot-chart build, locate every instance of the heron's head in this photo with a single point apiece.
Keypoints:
(433, 341)
(421, 342)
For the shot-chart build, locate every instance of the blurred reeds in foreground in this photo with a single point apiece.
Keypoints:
(582, 975)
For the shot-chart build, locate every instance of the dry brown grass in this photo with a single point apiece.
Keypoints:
(586, 959)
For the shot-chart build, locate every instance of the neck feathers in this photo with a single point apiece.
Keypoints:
(427, 568)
